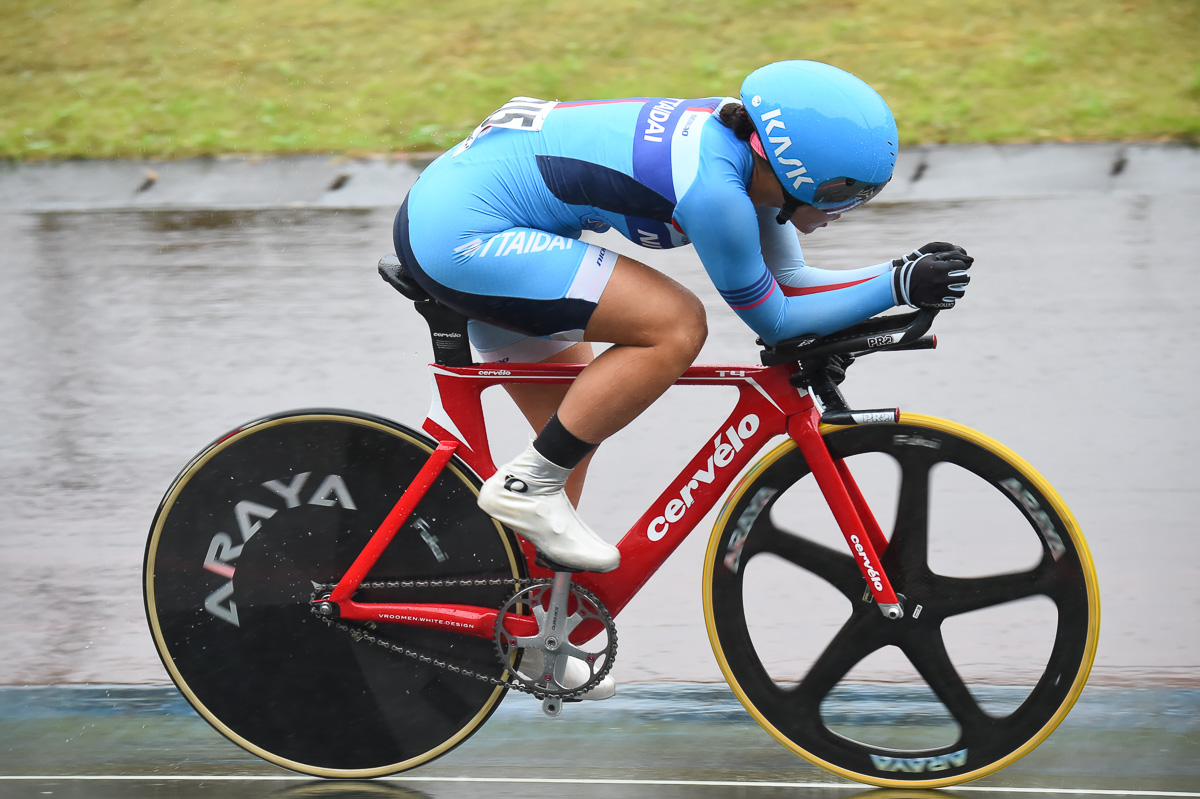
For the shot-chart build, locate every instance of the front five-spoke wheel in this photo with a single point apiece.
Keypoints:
(999, 592)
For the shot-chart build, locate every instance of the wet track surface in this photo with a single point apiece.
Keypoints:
(138, 329)
(651, 740)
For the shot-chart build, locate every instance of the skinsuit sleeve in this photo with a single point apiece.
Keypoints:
(736, 243)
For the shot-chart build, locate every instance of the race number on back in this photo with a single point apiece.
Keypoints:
(519, 113)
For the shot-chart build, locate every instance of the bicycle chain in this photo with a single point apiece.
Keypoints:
(362, 633)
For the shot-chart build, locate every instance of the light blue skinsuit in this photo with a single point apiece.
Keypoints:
(491, 228)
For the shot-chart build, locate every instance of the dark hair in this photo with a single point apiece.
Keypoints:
(735, 117)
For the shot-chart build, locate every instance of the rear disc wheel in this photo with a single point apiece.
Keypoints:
(237, 549)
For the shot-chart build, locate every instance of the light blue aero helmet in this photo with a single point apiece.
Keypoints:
(829, 137)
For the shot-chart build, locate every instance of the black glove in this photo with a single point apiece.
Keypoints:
(933, 276)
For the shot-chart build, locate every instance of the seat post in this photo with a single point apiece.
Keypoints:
(447, 327)
(447, 331)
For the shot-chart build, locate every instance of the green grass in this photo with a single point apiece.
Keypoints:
(178, 78)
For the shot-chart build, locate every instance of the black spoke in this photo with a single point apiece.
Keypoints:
(909, 544)
(835, 567)
(928, 654)
(957, 595)
(848, 648)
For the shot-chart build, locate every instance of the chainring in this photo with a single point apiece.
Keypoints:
(596, 655)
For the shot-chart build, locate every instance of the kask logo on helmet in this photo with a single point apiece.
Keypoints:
(773, 121)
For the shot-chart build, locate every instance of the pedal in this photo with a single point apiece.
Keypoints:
(554, 566)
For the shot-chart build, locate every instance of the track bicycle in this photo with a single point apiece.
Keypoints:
(324, 591)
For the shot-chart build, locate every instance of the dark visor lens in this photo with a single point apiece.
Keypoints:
(842, 194)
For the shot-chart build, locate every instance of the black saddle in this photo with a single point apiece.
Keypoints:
(447, 327)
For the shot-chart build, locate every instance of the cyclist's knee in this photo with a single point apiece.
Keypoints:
(688, 327)
(677, 325)
(644, 308)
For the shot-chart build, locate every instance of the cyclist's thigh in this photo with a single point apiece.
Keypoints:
(530, 281)
(643, 307)
(497, 345)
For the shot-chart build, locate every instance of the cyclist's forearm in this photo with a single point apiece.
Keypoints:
(821, 308)
(810, 279)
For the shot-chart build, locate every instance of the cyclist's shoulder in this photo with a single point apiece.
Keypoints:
(715, 179)
(725, 157)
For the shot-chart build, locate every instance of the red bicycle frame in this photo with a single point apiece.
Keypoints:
(768, 405)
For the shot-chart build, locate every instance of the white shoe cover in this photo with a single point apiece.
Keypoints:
(576, 674)
(527, 495)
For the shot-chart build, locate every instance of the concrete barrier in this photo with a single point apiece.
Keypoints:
(943, 172)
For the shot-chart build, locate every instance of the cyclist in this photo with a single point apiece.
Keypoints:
(492, 229)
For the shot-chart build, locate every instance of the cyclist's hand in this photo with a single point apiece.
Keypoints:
(933, 276)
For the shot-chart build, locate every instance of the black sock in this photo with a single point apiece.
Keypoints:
(560, 446)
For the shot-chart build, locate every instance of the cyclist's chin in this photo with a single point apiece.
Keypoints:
(808, 228)
(808, 220)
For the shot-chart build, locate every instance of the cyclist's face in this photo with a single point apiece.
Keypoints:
(808, 219)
